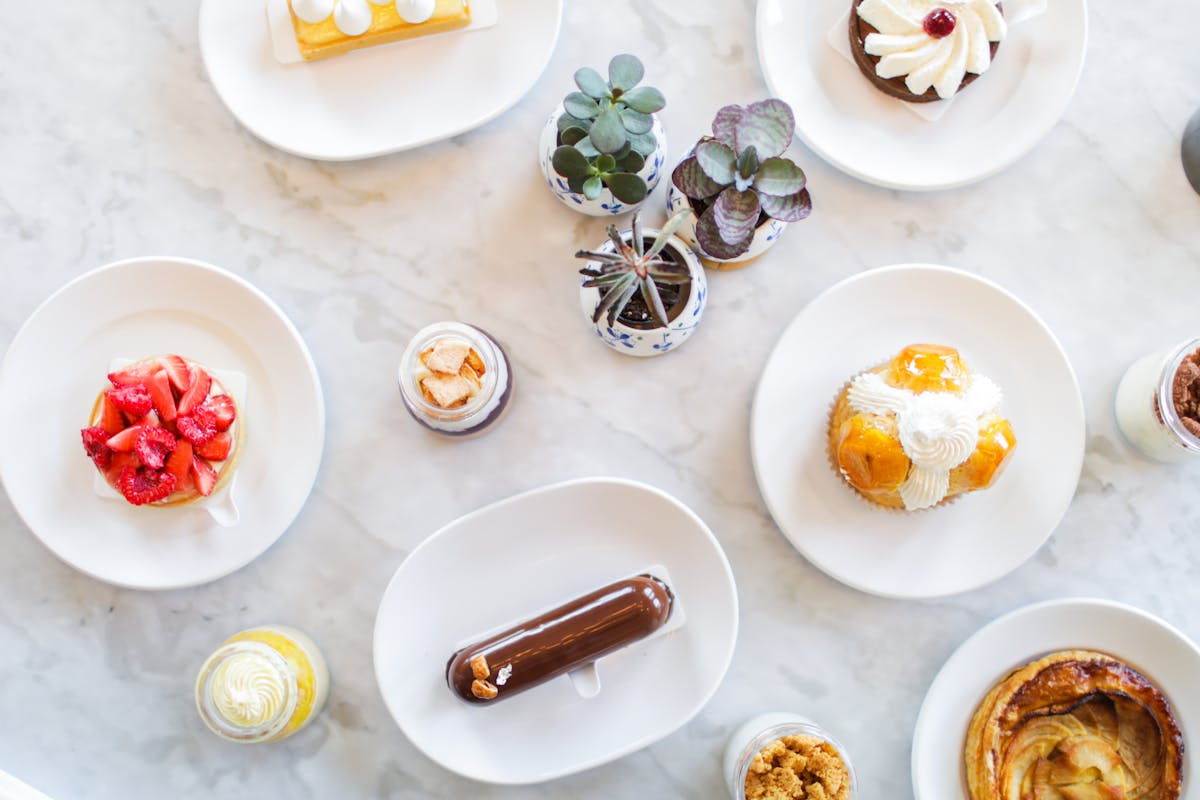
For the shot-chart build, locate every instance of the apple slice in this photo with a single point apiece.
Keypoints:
(204, 475)
(197, 392)
(159, 386)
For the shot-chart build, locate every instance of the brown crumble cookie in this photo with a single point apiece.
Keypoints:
(798, 768)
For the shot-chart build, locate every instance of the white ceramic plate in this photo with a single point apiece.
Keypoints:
(380, 99)
(57, 364)
(1154, 648)
(867, 134)
(864, 321)
(519, 557)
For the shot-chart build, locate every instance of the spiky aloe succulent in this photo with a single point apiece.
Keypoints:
(738, 175)
(604, 135)
(632, 267)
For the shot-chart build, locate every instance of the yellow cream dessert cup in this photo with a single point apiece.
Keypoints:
(262, 685)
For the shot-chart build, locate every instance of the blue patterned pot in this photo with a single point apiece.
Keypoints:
(605, 204)
(655, 341)
(764, 237)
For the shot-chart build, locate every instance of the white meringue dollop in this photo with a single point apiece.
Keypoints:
(415, 11)
(938, 430)
(313, 11)
(906, 49)
(248, 691)
(352, 17)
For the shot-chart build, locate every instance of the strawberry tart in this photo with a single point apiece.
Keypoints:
(165, 433)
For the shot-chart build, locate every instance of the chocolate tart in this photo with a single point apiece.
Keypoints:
(860, 29)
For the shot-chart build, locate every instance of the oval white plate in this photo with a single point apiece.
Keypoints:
(515, 558)
(380, 99)
(867, 134)
(1145, 642)
(57, 364)
(861, 322)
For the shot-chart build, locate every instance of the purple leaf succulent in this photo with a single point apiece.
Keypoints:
(738, 177)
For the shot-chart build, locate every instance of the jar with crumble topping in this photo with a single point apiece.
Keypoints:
(780, 756)
(455, 379)
(1158, 403)
(262, 685)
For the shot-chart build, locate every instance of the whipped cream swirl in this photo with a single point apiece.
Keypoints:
(938, 430)
(248, 690)
(905, 48)
(354, 17)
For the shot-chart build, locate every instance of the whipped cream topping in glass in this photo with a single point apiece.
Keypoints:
(938, 430)
(248, 689)
(906, 49)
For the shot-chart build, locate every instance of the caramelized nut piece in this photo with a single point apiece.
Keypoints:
(476, 362)
(480, 668)
(484, 690)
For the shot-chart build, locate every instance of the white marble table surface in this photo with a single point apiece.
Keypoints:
(115, 146)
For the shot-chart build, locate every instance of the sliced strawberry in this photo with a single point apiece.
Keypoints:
(111, 419)
(134, 374)
(133, 400)
(159, 386)
(197, 427)
(225, 409)
(204, 475)
(179, 463)
(124, 441)
(95, 441)
(196, 392)
(153, 445)
(216, 448)
(141, 486)
(177, 371)
(119, 462)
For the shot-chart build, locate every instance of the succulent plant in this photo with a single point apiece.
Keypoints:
(738, 175)
(632, 267)
(604, 133)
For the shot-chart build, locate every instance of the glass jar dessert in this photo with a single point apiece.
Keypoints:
(262, 685)
(779, 756)
(455, 379)
(1158, 403)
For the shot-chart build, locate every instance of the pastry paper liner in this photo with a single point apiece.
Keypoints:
(831, 457)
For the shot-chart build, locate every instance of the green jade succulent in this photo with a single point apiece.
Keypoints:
(632, 267)
(604, 134)
(737, 177)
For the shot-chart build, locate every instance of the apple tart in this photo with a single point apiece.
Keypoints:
(1074, 725)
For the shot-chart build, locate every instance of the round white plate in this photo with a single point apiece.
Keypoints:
(519, 557)
(862, 322)
(380, 99)
(1145, 642)
(872, 136)
(57, 364)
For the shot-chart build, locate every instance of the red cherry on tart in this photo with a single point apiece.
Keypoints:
(939, 23)
(166, 432)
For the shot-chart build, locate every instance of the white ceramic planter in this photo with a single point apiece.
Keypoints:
(605, 204)
(655, 341)
(764, 237)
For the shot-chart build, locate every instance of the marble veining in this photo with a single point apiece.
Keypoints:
(116, 146)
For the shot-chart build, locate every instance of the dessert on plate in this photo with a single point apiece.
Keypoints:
(327, 28)
(919, 430)
(922, 51)
(167, 432)
(1074, 724)
(572, 635)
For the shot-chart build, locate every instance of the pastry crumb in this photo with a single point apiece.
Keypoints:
(798, 768)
